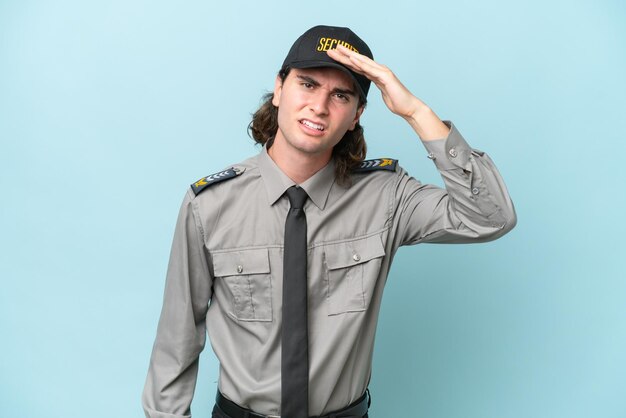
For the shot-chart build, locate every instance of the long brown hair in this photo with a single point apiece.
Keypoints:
(348, 153)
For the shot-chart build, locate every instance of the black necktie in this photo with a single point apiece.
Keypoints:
(295, 343)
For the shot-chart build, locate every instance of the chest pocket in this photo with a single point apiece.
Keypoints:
(246, 274)
(352, 268)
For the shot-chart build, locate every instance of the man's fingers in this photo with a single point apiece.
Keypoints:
(358, 63)
(350, 58)
(343, 58)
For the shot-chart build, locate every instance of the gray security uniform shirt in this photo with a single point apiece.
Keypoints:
(225, 272)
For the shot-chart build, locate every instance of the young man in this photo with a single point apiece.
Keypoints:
(283, 258)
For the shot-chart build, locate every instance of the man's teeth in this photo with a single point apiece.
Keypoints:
(312, 125)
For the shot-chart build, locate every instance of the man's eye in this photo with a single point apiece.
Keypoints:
(307, 85)
(342, 97)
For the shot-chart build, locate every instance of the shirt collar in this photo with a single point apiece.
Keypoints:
(276, 182)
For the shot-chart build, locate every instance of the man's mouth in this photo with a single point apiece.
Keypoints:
(312, 125)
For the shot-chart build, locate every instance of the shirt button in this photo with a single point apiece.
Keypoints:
(239, 269)
(452, 152)
(475, 190)
(356, 257)
(431, 156)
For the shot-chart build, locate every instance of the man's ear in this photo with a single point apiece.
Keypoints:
(359, 112)
(278, 88)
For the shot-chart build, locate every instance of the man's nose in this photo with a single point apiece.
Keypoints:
(319, 103)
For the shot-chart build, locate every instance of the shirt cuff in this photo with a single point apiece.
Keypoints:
(151, 413)
(451, 152)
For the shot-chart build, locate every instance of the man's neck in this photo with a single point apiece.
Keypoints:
(297, 165)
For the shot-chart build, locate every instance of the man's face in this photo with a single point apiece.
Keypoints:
(316, 107)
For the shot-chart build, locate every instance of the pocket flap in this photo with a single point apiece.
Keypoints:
(346, 254)
(233, 263)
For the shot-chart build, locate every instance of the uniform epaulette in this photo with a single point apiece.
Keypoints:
(205, 182)
(377, 164)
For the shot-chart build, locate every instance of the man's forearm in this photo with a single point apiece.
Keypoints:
(426, 123)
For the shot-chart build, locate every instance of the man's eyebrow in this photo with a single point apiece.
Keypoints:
(316, 83)
(308, 80)
(346, 92)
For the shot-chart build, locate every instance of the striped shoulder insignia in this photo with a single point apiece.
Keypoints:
(377, 164)
(205, 182)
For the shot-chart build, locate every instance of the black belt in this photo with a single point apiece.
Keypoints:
(357, 409)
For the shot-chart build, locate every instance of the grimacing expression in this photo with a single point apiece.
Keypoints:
(316, 107)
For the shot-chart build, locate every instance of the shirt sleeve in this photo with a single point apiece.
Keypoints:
(181, 333)
(475, 205)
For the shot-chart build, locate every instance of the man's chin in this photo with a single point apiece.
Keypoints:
(315, 145)
(315, 150)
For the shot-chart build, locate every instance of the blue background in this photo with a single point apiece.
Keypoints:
(109, 109)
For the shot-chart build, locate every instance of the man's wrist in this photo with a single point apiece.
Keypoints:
(427, 124)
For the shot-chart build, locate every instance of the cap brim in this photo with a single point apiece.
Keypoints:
(317, 64)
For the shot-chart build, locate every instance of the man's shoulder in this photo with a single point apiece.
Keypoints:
(226, 175)
(200, 185)
(376, 164)
(376, 173)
